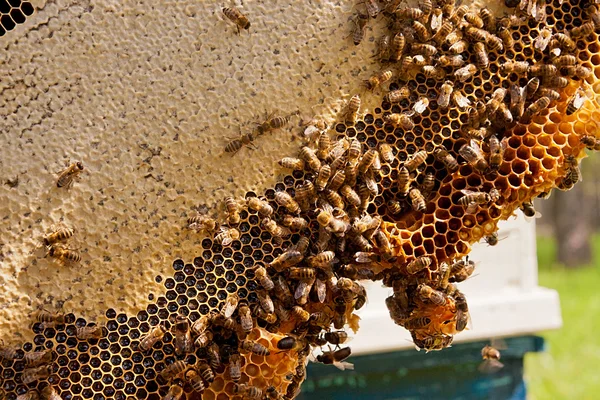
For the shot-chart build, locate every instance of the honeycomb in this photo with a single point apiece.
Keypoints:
(12, 13)
(407, 219)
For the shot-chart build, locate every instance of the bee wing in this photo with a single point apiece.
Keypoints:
(362, 257)
(471, 208)
(490, 366)
(321, 289)
(436, 22)
(499, 343)
(461, 100)
(504, 143)
(476, 148)
(343, 365)
(468, 192)
(420, 106)
(537, 215)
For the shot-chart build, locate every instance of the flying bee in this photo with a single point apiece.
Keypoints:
(459, 47)
(443, 156)
(417, 323)
(336, 358)
(201, 222)
(235, 16)
(378, 79)
(360, 28)
(195, 380)
(591, 142)
(421, 105)
(535, 108)
(67, 176)
(460, 100)
(292, 163)
(262, 206)
(464, 73)
(497, 148)
(58, 234)
(309, 156)
(30, 375)
(418, 264)
(37, 358)
(233, 210)
(285, 200)
(474, 156)
(254, 347)
(461, 270)
(90, 332)
(62, 255)
(286, 259)
(248, 392)
(491, 357)
(230, 305)
(49, 320)
(396, 96)
(416, 160)
(397, 47)
(426, 293)
(445, 93)
(182, 335)
(516, 67)
(576, 102)
(517, 100)
(153, 336)
(564, 41)
(226, 236)
(417, 200)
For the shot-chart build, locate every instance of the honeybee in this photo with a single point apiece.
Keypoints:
(30, 375)
(195, 380)
(564, 60)
(352, 109)
(367, 160)
(577, 71)
(395, 208)
(372, 7)
(417, 200)
(591, 142)
(428, 185)
(323, 260)
(421, 105)
(491, 357)
(274, 229)
(67, 176)
(443, 156)
(535, 108)
(576, 102)
(417, 323)
(517, 100)
(386, 152)
(292, 163)
(350, 195)
(402, 120)
(396, 96)
(472, 199)
(300, 313)
(235, 367)
(320, 290)
(226, 236)
(248, 392)
(488, 18)
(37, 358)
(541, 42)
(460, 100)
(474, 156)
(410, 13)
(245, 314)
(531, 88)
(335, 199)
(303, 290)
(58, 234)
(265, 301)
(556, 81)
(433, 343)
(354, 151)
(49, 393)
(205, 371)
(425, 50)
(481, 55)
(517, 67)
(302, 273)
(262, 206)
(457, 13)
(397, 47)
(322, 177)
(494, 42)
(497, 148)
(445, 93)
(573, 174)
(360, 28)
(49, 320)
(418, 264)
(182, 336)
(234, 145)
(332, 224)
(239, 19)
(29, 395)
(302, 244)
(285, 200)
(336, 358)
(427, 293)
(254, 347)
(203, 339)
(230, 305)
(564, 41)
(233, 210)
(464, 73)
(214, 356)
(378, 79)
(397, 312)
(416, 160)
(309, 156)
(432, 72)
(445, 30)
(90, 332)
(201, 222)
(154, 335)
(461, 270)
(201, 324)
(175, 392)
(459, 47)
(504, 115)
(7, 353)
(62, 255)
(506, 36)
(286, 259)
(263, 277)
(543, 70)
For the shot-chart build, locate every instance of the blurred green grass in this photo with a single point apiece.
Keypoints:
(570, 367)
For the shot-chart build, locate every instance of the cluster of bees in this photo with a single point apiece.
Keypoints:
(340, 223)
